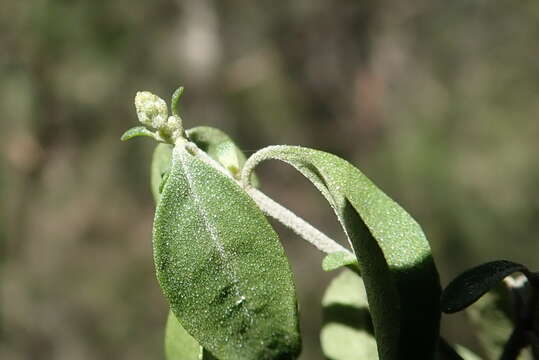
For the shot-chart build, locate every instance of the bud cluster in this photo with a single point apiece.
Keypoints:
(152, 112)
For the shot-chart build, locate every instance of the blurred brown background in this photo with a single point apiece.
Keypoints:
(436, 101)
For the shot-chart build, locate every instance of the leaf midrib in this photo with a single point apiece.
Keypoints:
(231, 273)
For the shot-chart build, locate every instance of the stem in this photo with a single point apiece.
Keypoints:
(301, 227)
(277, 211)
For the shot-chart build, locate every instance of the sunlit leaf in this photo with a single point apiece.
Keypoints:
(469, 286)
(220, 147)
(137, 131)
(221, 266)
(338, 259)
(347, 332)
(393, 254)
(179, 345)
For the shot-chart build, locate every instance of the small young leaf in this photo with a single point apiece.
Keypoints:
(394, 256)
(137, 131)
(221, 148)
(179, 345)
(347, 332)
(221, 265)
(175, 101)
(338, 259)
(469, 286)
(161, 160)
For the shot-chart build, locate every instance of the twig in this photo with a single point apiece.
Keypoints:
(280, 213)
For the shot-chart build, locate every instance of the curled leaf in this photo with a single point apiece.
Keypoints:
(221, 265)
(393, 254)
(469, 286)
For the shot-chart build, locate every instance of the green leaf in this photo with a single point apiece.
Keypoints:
(221, 265)
(221, 148)
(175, 101)
(179, 345)
(338, 259)
(469, 286)
(393, 254)
(137, 131)
(347, 332)
(161, 161)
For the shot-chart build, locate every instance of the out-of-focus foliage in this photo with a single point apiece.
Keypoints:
(436, 101)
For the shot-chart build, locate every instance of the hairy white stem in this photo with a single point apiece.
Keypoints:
(280, 213)
(301, 227)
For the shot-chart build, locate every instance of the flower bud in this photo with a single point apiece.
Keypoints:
(174, 126)
(151, 109)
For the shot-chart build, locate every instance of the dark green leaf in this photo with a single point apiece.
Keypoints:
(221, 148)
(136, 131)
(338, 259)
(161, 160)
(347, 332)
(179, 345)
(221, 265)
(469, 286)
(393, 254)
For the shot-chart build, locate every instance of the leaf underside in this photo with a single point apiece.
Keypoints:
(393, 254)
(469, 286)
(221, 266)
